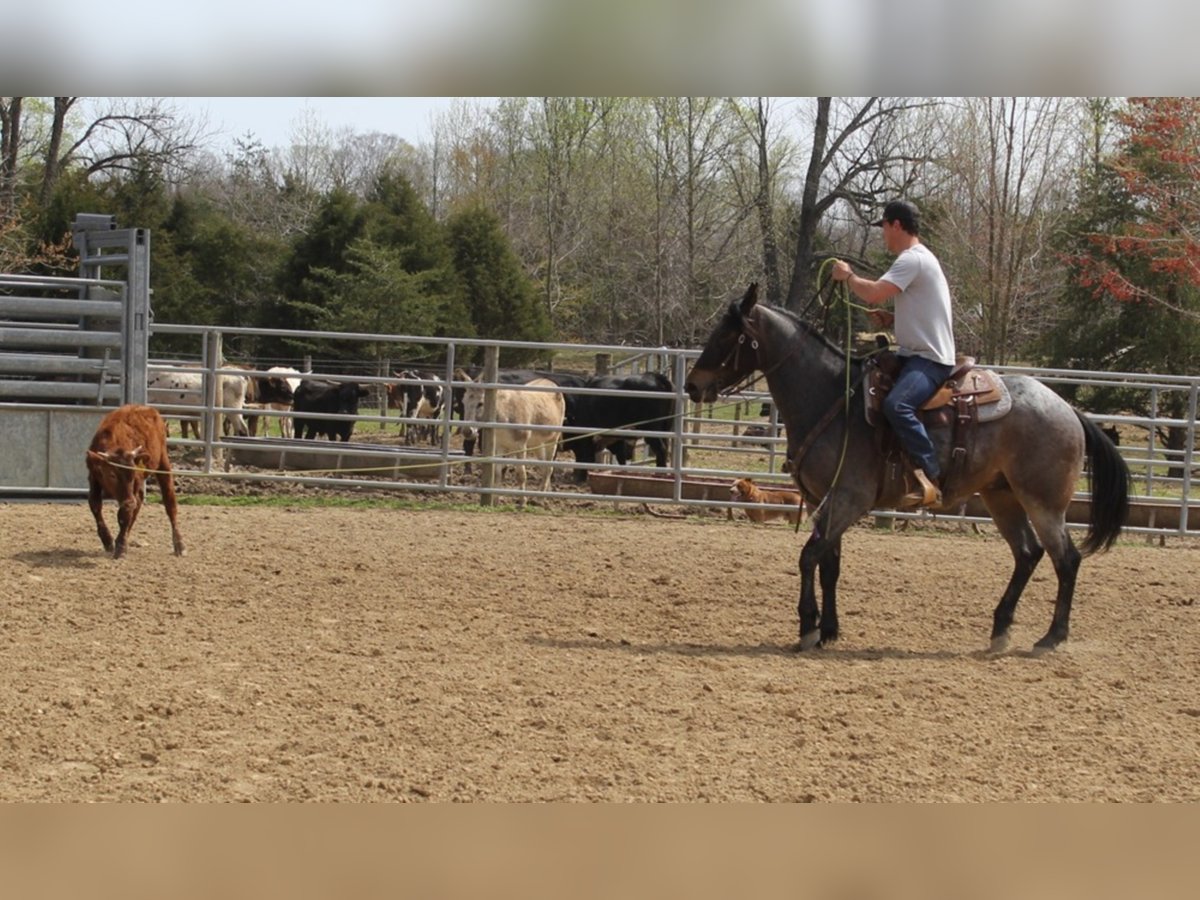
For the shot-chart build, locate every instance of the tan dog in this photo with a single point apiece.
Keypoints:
(745, 490)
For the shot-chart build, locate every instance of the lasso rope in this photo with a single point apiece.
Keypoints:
(850, 305)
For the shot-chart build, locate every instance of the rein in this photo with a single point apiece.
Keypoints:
(840, 403)
(817, 430)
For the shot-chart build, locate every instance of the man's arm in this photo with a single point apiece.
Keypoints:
(874, 293)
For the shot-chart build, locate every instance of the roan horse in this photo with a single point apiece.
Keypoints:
(1025, 465)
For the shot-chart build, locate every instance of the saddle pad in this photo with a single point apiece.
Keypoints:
(984, 385)
(989, 409)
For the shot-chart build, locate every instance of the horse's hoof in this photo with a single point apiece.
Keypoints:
(809, 641)
(999, 643)
(1050, 641)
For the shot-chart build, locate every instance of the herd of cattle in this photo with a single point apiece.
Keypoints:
(553, 411)
(131, 442)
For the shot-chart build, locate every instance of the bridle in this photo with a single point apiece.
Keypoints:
(749, 332)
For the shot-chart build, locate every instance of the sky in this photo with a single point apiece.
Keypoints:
(273, 119)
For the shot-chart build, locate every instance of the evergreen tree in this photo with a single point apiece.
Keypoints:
(378, 295)
(323, 245)
(397, 219)
(502, 300)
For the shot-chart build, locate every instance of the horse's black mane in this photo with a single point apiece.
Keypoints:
(735, 311)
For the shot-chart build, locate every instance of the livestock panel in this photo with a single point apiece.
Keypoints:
(70, 350)
(43, 448)
(738, 437)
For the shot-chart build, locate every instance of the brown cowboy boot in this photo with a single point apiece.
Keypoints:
(927, 493)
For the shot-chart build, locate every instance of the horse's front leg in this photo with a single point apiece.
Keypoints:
(830, 568)
(814, 627)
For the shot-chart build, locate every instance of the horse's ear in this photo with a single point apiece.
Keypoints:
(750, 299)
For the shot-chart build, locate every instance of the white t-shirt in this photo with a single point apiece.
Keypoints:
(924, 324)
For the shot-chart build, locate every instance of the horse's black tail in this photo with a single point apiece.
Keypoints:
(1108, 481)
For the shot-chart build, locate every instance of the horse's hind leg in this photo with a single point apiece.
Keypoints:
(1010, 519)
(1052, 529)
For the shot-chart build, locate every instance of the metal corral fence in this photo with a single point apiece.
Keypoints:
(70, 348)
(711, 445)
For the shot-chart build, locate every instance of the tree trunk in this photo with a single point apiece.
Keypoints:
(62, 105)
(10, 142)
(766, 212)
(1176, 442)
(806, 228)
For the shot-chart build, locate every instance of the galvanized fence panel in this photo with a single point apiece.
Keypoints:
(709, 444)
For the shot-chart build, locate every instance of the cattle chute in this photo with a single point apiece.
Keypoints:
(71, 350)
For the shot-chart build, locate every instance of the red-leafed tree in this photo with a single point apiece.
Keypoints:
(1133, 254)
(1154, 256)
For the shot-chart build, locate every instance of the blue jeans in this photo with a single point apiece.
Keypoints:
(919, 380)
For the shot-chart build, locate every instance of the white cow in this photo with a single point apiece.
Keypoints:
(515, 411)
(186, 388)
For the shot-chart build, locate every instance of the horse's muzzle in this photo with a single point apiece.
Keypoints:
(697, 394)
(701, 386)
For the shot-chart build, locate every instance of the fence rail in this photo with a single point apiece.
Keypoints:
(710, 446)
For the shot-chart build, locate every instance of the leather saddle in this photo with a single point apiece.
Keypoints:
(969, 396)
(968, 393)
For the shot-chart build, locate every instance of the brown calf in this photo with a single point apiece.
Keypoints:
(746, 491)
(130, 443)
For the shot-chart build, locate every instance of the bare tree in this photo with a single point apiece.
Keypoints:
(861, 156)
(117, 137)
(761, 184)
(357, 159)
(1009, 162)
(694, 143)
(565, 154)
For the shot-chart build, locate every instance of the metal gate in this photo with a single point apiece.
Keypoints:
(71, 349)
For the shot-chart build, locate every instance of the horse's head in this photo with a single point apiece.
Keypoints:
(730, 354)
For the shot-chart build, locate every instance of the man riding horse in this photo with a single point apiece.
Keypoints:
(924, 332)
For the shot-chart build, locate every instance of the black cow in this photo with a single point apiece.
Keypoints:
(334, 397)
(594, 413)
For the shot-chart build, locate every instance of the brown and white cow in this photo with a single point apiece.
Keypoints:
(178, 387)
(273, 390)
(130, 444)
(283, 380)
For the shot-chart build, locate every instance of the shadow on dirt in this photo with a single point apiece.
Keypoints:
(703, 650)
(67, 558)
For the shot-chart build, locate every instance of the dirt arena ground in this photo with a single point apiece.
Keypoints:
(352, 654)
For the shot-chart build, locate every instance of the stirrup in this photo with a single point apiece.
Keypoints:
(927, 493)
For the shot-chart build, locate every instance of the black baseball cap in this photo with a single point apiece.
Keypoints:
(903, 212)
